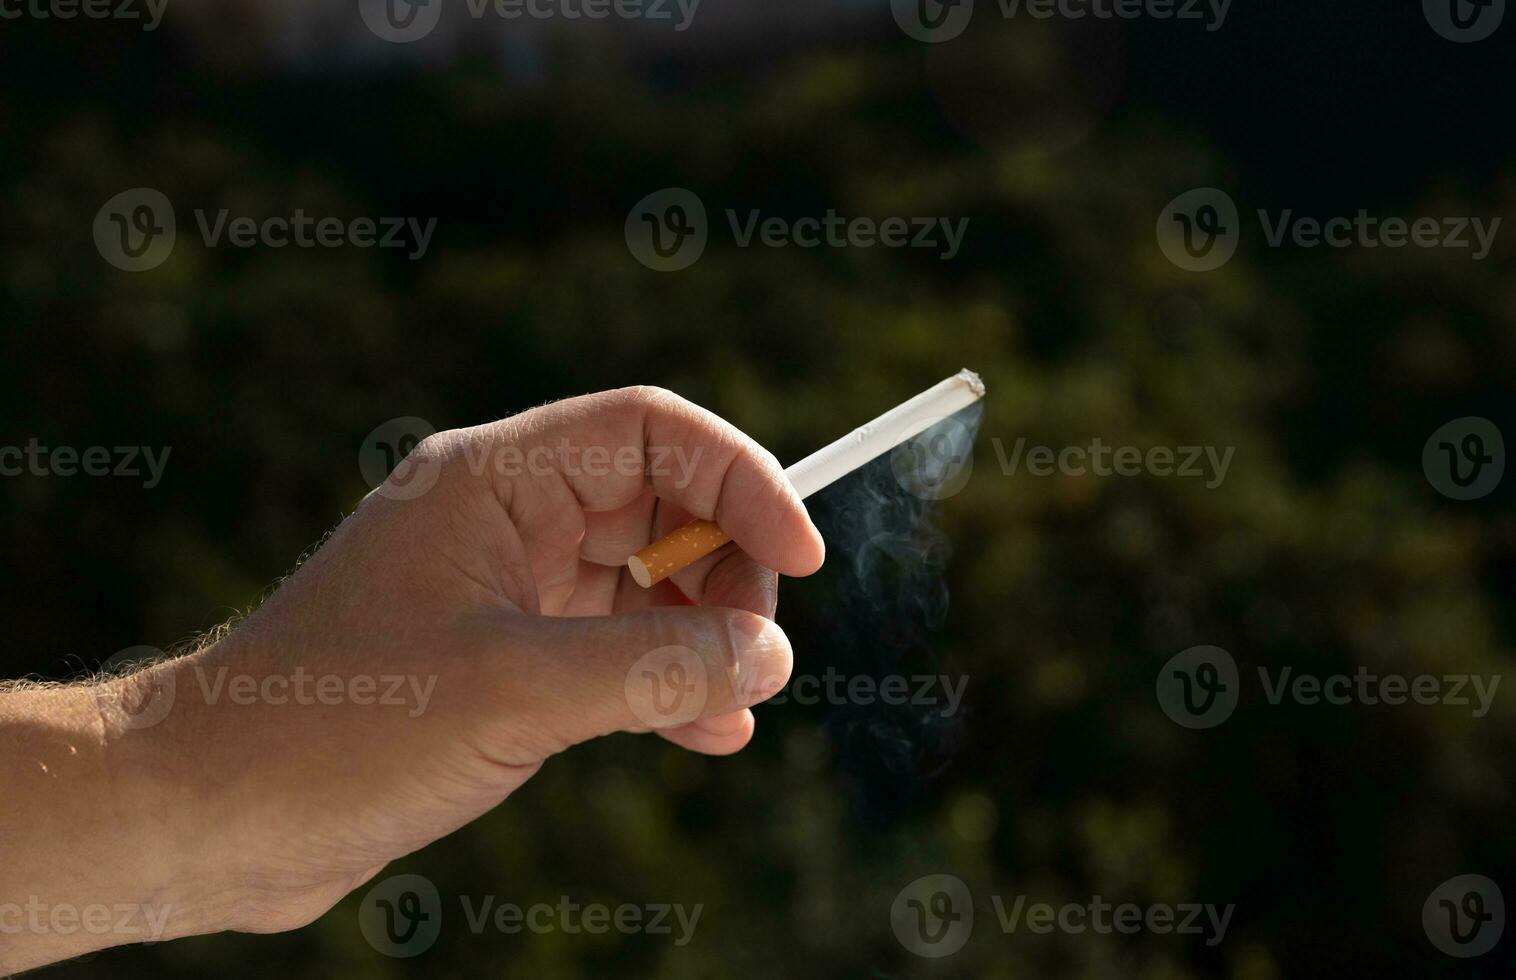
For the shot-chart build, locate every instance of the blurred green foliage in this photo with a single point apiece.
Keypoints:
(1324, 549)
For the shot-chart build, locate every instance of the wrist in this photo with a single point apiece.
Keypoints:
(87, 864)
(158, 742)
(210, 792)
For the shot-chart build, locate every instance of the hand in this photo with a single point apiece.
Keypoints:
(484, 589)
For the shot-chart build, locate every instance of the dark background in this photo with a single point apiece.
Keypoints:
(1326, 548)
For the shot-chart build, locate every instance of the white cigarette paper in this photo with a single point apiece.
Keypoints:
(868, 442)
(687, 545)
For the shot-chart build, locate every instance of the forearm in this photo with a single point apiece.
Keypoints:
(90, 853)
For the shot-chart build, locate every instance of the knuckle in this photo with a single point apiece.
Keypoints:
(444, 452)
(444, 448)
(435, 446)
(648, 396)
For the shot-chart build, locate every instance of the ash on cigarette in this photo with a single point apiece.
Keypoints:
(886, 564)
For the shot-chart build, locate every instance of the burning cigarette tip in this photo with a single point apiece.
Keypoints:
(973, 380)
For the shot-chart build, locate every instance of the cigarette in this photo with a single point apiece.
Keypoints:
(679, 549)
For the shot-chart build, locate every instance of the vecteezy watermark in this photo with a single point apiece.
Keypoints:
(1464, 21)
(1212, 12)
(144, 699)
(1473, 691)
(667, 687)
(140, 923)
(148, 12)
(933, 917)
(1186, 462)
(35, 459)
(672, 685)
(936, 463)
(935, 21)
(406, 21)
(1199, 688)
(1464, 916)
(413, 692)
(572, 918)
(1199, 230)
(676, 464)
(136, 231)
(668, 231)
(1465, 458)
(390, 465)
(141, 697)
(402, 917)
(831, 687)
(1370, 232)
(932, 21)
(1101, 917)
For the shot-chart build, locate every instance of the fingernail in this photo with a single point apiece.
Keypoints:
(764, 667)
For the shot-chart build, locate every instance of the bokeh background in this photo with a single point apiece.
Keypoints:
(1324, 549)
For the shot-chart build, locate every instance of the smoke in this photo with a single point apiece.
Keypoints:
(887, 558)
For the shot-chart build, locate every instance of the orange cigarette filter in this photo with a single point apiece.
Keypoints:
(687, 545)
(675, 552)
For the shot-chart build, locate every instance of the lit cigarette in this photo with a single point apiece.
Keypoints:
(692, 542)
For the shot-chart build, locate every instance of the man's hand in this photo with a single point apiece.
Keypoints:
(472, 618)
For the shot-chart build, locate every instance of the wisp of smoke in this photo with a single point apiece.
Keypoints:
(887, 559)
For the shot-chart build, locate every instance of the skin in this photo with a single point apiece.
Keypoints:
(505, 584)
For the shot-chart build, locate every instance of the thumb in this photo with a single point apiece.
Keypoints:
(659, 668)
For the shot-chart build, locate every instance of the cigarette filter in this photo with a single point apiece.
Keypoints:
(687, 545)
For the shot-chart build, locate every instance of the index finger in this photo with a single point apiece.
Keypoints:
(606, 449)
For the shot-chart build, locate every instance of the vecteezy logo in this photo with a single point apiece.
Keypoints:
(667, 687)
(1473, 451)
(401, 21)
(933, 916)
(1198, 230)
(1198, 688)
(1464, 21)
(1464, 459)
(148, 699)
(932, 21)
(667, 230)
(388, 466)
(937, 463)
(1464, 916)
(135, 231)
(401, 916)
